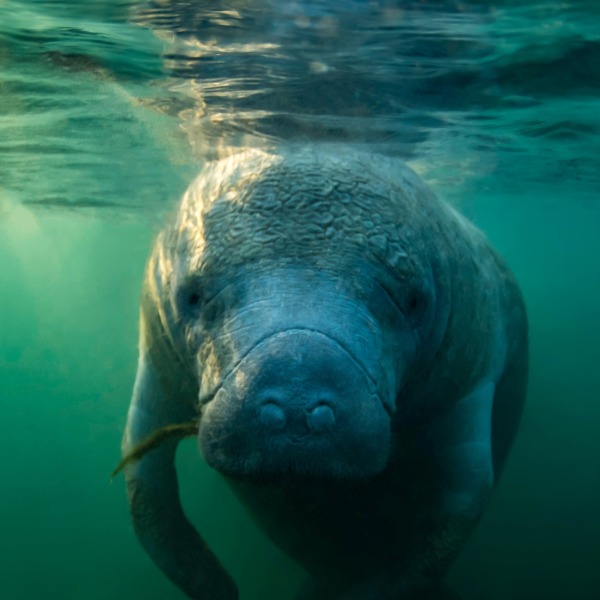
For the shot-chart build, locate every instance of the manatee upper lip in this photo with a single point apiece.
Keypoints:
(206, 398)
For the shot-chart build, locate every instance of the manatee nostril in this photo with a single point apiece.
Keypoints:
(321, 417)
(272, 415)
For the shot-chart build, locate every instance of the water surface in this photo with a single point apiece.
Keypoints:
(109, 108)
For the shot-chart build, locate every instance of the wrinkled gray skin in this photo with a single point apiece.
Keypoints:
(357, 353)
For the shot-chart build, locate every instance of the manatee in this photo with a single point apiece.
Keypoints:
(352, 354)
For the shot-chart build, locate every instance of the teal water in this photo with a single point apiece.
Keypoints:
(108, 109)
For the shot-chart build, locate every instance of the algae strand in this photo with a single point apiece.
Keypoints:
(177, 431)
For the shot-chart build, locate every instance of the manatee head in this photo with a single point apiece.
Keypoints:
(298, 287)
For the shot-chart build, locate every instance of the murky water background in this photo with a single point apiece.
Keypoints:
(108, 109)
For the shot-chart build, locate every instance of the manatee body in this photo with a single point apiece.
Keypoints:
(356, 355)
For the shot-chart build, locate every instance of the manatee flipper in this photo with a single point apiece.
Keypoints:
(462, 443)
(153, 491)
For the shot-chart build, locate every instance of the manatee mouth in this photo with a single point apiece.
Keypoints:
(298, 403)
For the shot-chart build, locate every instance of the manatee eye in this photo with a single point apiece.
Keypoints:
(189, 299)
(416, 303)
(193, 299)
(413, 301)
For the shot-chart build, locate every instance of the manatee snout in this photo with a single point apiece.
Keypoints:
(298, 403)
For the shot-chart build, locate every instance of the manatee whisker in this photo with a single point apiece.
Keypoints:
(221, 438)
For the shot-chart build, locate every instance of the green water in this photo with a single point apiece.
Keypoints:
(91, 158)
